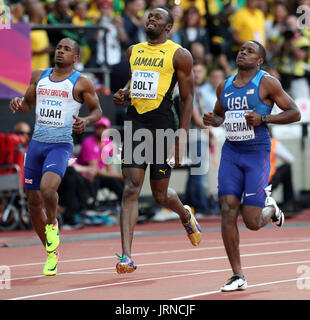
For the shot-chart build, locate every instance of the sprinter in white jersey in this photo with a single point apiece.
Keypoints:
(57, 94)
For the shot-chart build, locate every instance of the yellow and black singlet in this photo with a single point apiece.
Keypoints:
(153, 79)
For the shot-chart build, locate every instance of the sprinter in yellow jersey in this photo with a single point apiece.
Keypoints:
(156, 67)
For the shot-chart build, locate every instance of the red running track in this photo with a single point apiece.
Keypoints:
(276, 263)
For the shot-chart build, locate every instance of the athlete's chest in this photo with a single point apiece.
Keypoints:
(47, 89)
(150, 58)
(151, 62)
(240, 98)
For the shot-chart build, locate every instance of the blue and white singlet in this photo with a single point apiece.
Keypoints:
(235, 101)
(55, 107)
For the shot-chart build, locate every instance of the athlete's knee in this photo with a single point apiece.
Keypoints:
(229, 216)
(131, 189)
(48, 194)
(34, 203)
(251, 218)
(251, 224)
(160, 197)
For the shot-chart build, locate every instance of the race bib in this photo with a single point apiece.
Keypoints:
(236, 128)
(49, 115)
(144, 84)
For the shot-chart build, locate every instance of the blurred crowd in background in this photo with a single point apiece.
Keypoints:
(211, 30)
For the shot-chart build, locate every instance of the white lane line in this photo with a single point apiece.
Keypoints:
(172, 262)
(207, 293)
(152, 279)
(165, 252)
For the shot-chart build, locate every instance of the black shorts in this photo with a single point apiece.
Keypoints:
(147, 141)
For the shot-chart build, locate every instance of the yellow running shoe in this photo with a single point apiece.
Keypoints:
(50, 268)
(52, 237)
(192, 228)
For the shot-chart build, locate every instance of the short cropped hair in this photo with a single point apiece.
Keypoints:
(170, 15)
(262, 50)
(76, 46)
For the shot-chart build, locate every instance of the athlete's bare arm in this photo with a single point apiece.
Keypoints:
(183, 64)
(216, 117)
(271, 92)
(27, 103)
(278, 96)
(85, 93)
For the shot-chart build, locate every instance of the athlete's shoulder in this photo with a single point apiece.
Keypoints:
(270, 82)
(183, 59)
(183, 54)
(227, 82)
(36, 75)
(266, 76)
(129, 50)
(222, 84)
(220, 88)
(84, 84)
(38, 71)
(83, 79)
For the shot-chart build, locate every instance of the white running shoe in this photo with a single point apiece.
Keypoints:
(278, 217)
(268, 190)
(235, 283)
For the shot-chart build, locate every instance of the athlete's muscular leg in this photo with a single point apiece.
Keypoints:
(168, 198)
(48, 187)
(256, 217)
(134, 178)
(229, 209)
(37, 215)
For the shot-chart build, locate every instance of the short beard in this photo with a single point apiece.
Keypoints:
(244, 67)
(151, 34)
(59, 64)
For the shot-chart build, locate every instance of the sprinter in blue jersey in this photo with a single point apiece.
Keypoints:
(244, 103)
(57, 95)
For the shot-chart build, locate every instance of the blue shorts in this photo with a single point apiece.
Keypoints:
(42, 157)
(244, 173)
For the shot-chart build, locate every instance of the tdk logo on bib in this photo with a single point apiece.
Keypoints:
(53, 103)
(236, 127)
(144, 84)
(235, 115)
(144, 74)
